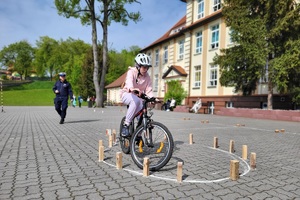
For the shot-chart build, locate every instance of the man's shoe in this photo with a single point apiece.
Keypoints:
(62, 121)
(125, 131)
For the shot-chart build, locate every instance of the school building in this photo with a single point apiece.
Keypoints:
(186, 53)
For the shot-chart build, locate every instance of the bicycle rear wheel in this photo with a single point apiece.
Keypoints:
(159, 153)
(124, 141)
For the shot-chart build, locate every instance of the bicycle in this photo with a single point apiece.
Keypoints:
(147, 138)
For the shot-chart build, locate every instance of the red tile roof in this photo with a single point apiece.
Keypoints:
(181, 24)
(176, 68)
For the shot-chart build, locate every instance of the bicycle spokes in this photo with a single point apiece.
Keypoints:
(156, 144)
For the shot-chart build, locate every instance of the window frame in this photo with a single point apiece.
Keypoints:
(197, 75)
(200, 13)
(156, 57)
(215, 36)
(216, 5)
(181, 49)
(199, 42)
(213, 75)
(166, 54)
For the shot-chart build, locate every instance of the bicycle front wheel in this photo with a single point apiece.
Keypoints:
(159, 151)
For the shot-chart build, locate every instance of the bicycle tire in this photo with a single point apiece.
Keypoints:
(124, 142)
(160, 154)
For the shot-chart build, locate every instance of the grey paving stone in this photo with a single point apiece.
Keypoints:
(40, 158)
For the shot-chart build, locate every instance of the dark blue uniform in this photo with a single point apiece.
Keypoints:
(61, 99)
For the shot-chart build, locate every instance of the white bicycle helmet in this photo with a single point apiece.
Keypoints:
(143, 60)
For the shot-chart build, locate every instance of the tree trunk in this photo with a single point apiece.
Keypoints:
(96, 59)
(104, 54)
(270, 95)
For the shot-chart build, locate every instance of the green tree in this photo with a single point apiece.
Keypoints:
(47, 57)
(18, 55)
(119, 62)
(73, 54)
(175, 91)
(109, 10)
(264, 32)
(85, 84)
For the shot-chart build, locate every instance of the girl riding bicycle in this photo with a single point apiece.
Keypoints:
(137, 82)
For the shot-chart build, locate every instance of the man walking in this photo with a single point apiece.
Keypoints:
(62, 88)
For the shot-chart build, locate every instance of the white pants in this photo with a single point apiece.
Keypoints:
(135, 105)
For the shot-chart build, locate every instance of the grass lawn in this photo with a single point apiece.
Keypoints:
(38, 93)
(34, 97)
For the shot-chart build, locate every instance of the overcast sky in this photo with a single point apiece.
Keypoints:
(31, 19)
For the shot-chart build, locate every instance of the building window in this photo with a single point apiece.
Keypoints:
(181, 49)
(230, 36)
(155, 89)
(214, 37)
(216, 5)
(229, 104)
(156, 58)
(200, 9)
(213, 75)
(199, 42)
(166, 54)
(149, 54)
(197, 82)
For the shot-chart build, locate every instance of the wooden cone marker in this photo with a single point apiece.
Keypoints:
(119, 160)
(216, 145)
(191, 138)
(110, 141)
(114, 136)
(234, 170)
(207, 121)
(253, 161)
(101, 153)
(202, 121)
(245, 152)
(231, 146)
(179, 172)
(146, 166)
(108, 132)
(282, 130)
(276, 131)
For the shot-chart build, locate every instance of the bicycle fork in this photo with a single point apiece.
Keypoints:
(147, 133)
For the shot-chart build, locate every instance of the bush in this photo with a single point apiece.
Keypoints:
(4, 77)
(176, 91)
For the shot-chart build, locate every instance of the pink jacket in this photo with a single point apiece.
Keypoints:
(144, 83)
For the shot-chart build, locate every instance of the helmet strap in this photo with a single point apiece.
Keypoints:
(138, 68)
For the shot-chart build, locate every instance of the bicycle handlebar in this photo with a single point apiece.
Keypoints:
(145, 97)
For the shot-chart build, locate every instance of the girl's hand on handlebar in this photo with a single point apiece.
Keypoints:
(155, 100)
(136, 91)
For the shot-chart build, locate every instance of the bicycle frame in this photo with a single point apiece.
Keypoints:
(145, 119)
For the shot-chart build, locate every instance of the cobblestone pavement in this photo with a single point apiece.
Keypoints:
(42, 159)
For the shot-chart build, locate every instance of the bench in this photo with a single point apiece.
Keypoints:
(205, 107)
